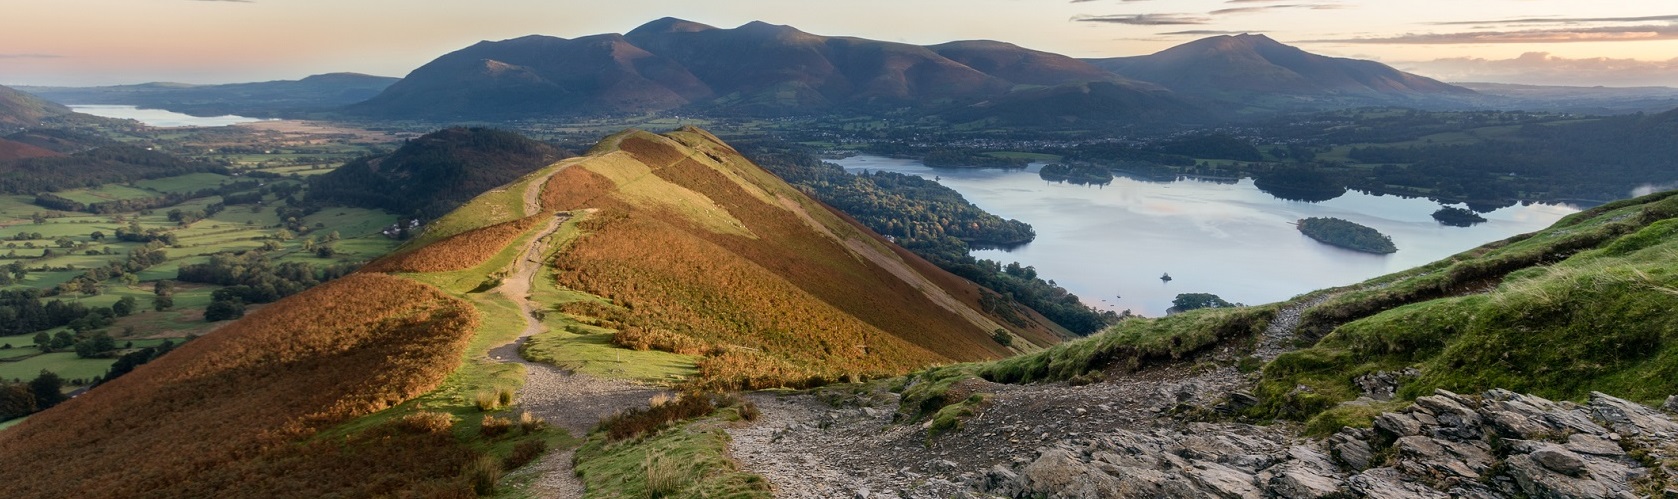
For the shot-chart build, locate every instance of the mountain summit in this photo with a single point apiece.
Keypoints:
(1248, 67)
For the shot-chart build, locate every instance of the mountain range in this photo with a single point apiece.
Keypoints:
(260, 99)
(19, 109)
(1257, 70)
(762, 69)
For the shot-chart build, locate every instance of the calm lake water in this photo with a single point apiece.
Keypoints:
(1110, 244)
(158, 117)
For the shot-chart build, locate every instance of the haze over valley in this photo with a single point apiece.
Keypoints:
(994, 249)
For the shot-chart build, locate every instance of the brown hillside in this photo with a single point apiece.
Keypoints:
(457, 252)
(703, 252)
(221, 416)
(18, 150)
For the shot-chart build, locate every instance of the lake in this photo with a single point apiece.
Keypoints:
(1110, 244)
(158, 117)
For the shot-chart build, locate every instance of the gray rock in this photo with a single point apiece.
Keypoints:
(1456, 419)
(1538, 481)
(1631, 418)
(1594, 445)
(1512, 424)
(1443, 460)
(1388, 482)
(1298, 481)
(1353, 451)
(1559, 460)
(1224, 481)
(1398, 424)
(1671, 404)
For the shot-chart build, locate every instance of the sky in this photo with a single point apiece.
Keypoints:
(102, 42)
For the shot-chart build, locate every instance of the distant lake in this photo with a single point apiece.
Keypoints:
(1230, 239)
(158, 117)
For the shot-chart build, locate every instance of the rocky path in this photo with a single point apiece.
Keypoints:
(568, 400)
(1159, 433)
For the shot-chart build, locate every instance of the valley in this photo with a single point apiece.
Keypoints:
(688, 260)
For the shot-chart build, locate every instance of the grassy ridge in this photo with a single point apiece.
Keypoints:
(698, 252)
(1579, 307)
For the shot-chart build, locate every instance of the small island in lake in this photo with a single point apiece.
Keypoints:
(1346, 234)
(1076, 174)
(1457, 217)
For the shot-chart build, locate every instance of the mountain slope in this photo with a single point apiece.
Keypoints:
(431, 175)
(18, 109)
(540, 75)
(703, 253)
(1250, 68)
(260, 99)
(755, 69)
(232, 413)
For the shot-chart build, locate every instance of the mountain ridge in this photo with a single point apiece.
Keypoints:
(757, 69)
(1246, 67)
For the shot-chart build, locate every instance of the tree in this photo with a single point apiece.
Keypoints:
(48, 389)
(62, 340)
(124, 306)
(162, 302)
(1190, 301)
(163, 288)
(43, 341)
(16, 401)
(97, 235)
(95, 346)
(1002, 337)
(222, 310)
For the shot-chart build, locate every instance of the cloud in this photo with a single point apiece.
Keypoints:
(1146, 19)
(1544, 69)
(31, 56)
(1204, 32)
(1266, 8)
(1562, 20)
(1558, 35)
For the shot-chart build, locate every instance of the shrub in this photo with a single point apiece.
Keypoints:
(504, 396)
(664, 478)
(635, 422)
(482, 473)
(493, 427)
(425, 422)
(486, 401)
(525, 452)
(529, 423)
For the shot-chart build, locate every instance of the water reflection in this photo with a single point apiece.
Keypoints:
(159, 117)
(1110, 244)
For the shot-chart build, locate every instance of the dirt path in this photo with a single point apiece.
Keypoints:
(571, 401)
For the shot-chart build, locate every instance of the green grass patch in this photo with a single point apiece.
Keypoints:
(688, 460)
(1583, 306)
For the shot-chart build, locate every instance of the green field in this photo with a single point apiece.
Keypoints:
(236, 228)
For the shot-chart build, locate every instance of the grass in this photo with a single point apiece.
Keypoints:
(688, 460)
(1583, 306)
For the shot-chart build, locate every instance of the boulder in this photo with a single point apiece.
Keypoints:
(1559, 460)
(1631, 418)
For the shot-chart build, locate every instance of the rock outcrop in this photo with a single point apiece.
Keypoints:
(1498, 444)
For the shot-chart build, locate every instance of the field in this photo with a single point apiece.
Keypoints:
(70, 238)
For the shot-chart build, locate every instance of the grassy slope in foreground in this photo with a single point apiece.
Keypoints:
(1581, 306)
(223, 415)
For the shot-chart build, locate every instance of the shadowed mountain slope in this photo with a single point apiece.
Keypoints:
(19, 109)
(433, 174)
(1249, 68)
(755, 69)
